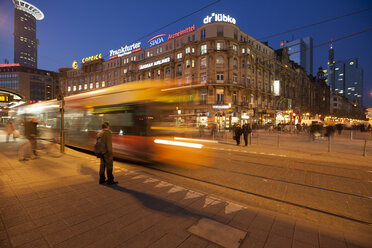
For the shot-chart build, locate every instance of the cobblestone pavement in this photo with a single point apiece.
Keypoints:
(57, 202)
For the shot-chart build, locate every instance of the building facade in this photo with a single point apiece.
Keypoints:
(229, 76)
(34, 84)
(301, 52)
(25, 41)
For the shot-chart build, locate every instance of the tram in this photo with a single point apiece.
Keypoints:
(141, 116)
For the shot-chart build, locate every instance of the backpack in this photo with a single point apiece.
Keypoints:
(99, 147)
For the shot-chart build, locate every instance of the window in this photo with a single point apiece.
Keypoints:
(243, 50)
(69, 88)
(203, 77)
(243, 63)
(220, 46)
(203, 49)
(97, 85)
(80, 87)
(219, 77)
(193, 50)
(116, 73)
(125, 71)
(187, 50)
(85, 86)
(187, 63)
(179, 56)
(235, 34)
(235, 48)
(235, 79)
(204, 97)
(192, 63)
(243, 79)
(149, 75)
(220, 60)
(235, 98)
(235, 63)
(219, 31)
(91, 86)
(74, 88)
(158, 73)
(116, 82)
(203, 63)
(109, 75)
(202, 34)
(179, 69)
(168, 71)
(220, 96)
(103, 84)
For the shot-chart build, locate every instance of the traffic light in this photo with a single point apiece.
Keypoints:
(294, 114)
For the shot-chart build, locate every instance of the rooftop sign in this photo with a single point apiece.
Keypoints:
(219, 18)
(9, 65)
(157, 40)
(182, 32)
(157, 62)
(135, 47)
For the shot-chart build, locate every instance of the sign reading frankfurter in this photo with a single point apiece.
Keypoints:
(135, 47)
(219, 18)
(155, 63)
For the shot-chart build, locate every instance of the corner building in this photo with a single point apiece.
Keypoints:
(228, 75)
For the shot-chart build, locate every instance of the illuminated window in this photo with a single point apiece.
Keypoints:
(103, 84)
(187, 50)
(158, 73)
(220, 46)
(187, 63)
(80, 87)
(91, 86)
(125, 70)
(192, 63)
(203, 77)
(74, 88)
(220, 96)
(243, 50)
(69, 88)
(235, 48)
(193, 50)
(203, 63)
(97, 85)
(235, 79)
(179, 56)
(85, 86)
(203, 49)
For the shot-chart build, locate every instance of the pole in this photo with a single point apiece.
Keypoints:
(329, 142)
(365, 148)
(62, 110)
(277, 144)
(351, 134)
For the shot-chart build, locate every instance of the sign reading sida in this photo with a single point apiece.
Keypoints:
(219, 18)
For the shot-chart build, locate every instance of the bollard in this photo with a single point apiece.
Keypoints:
(250, 138)
(351, 134)
(277, 144)
(329, 143)
(257, 138)
(365, 148)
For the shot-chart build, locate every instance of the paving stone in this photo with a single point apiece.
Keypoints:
(299, 244)
(20, 228)
(331, 241)
(195, 242)
(5, 243)
(58, 237)
(306, 234)
(171, 240)
(53, 227)
(25, 237)
(253, 243)
(39, 243)
(276, 241)
(262, 221)
(243, 219)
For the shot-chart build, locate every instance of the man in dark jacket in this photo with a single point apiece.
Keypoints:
(107, 158)
(31, 134)
(238, 133)
(246, 131)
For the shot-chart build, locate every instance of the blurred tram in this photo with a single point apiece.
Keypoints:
(142, 117)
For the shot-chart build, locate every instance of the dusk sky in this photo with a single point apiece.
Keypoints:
(75, 29)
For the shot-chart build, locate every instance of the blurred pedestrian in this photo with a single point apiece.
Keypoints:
(339, 128)
(28, 148)
(107, 158)
(246, 132)
(32, 135)
(213, 130)
(238, 133)
(9, 130)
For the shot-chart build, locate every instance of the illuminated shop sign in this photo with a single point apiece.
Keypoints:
(135, 47)
(221, 106)
(158, 62)
(157, 39)
(182, 32)
(4, 98)
(91, 58)
(9, 65)
(219, 18)
(75, 64)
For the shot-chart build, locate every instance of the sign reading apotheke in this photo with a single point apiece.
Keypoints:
(219, 18)
(135, 47)
(157, 62)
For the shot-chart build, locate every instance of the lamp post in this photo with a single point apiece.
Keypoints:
(61, 98)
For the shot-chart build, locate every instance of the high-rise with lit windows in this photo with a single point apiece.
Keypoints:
(25, 42)
(301, 52)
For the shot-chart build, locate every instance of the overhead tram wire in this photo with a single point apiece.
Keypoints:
(315, 24)
(173, 22)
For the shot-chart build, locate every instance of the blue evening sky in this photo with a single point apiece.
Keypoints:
(73, 29)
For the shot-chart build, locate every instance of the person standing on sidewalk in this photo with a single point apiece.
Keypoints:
(238, 133)
(107, 158)
(9, 130)
(246, 132)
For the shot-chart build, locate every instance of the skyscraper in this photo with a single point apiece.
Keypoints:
(25, 42)
(301, 52)
(331, 68)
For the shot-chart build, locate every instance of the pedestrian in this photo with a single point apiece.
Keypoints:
(28, 148)
(339, 127)
(213, 130)
(246, 132)
(107, 158)
(9, 130)
(238, 133)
